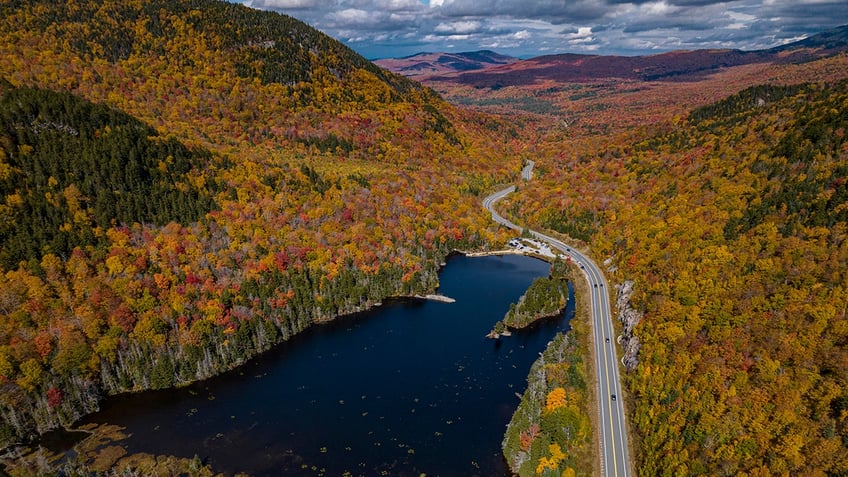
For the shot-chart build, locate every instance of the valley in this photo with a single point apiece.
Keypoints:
(188, 186)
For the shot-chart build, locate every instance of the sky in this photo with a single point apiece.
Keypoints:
(526, 28)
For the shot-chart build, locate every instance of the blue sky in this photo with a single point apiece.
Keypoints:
(524, 28)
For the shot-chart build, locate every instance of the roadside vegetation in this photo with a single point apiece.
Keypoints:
(730, 221)
(550, 434)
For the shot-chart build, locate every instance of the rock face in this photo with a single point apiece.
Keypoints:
(629, 319)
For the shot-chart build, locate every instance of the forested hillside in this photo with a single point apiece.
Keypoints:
(186, 183)
(744, 285)
(70, 169)
(731, 222)
(213, 70)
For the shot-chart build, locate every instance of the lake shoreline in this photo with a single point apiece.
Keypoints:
(341, 324)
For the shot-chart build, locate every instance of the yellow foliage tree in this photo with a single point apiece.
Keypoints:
(551, 462)
(555, 400)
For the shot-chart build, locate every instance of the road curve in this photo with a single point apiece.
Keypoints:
(615, 456)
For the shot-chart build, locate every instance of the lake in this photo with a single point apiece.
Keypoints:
(412, 387)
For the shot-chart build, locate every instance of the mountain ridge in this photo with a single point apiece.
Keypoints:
(424, 64)
(678, 65)
(115, 57)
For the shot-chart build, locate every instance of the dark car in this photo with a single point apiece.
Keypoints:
(607, 340)
(613, 397)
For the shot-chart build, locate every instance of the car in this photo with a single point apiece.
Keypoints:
(613, 397)
(607, 340)
(596, 285)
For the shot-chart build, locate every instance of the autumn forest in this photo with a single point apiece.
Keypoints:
(185, 184)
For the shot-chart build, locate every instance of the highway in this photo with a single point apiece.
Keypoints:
(615, 457)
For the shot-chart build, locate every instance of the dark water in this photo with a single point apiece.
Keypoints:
(409, 388)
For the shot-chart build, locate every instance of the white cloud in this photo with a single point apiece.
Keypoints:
(282, 4)
(659, 8)
(397, 5)
(440, 38)
(582, 32)
(402, 17)
(739, 20)
(350, 16)
(458, 27)
(790, 40)
(381, 28)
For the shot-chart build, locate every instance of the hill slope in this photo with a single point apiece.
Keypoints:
(751, 312)
(314, 184)
(724, 230)
(203, 66)
(71, 166)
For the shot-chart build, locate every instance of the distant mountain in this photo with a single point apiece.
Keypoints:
(427, 64)
(671, 66)
(834, 40)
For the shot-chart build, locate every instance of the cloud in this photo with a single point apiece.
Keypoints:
(579, 35)
(553, 11)
(467, 26)
(282, 4)
(383, 28)
(351, 17)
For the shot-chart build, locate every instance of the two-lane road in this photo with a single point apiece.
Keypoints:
(489, 204)
(615, 457)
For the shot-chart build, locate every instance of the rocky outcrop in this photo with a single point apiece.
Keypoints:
(434, 297)
(629, 318)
